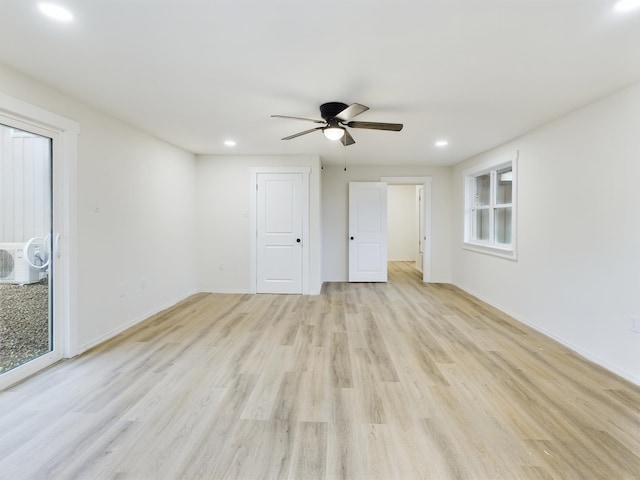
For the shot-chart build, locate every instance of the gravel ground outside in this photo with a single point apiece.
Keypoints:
(24, 323)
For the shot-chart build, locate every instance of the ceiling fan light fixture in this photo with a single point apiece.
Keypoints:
(333, 132)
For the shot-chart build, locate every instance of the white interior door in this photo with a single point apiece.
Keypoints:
(421, 234)
(421, 219)
(279, 219)
(367, 232)
(425, 230)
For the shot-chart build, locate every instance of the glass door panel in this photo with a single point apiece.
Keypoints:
(26, 323)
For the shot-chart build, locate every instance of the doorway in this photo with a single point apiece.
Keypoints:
(37, 232)
(26, 222)
(404, 225)
(422, 186)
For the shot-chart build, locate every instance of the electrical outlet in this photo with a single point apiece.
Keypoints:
(143, 283)
(635, 323)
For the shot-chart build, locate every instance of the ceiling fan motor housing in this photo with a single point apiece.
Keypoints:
(331, 109)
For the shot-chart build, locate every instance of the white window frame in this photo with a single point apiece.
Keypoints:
(490, 247)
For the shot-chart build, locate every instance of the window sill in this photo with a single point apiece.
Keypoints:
(494, 250)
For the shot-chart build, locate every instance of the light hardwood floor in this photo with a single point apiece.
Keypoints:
(391, 381)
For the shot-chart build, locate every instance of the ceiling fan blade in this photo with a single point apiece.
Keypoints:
(347, 139)
(299, 118)
(394, 127)
(351, 111)
(302, 133)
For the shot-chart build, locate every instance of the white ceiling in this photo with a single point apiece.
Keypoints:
(197, 72)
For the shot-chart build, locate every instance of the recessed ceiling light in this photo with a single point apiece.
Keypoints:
(442, 143)
(230, 143)
(626, 5)
(56, 12)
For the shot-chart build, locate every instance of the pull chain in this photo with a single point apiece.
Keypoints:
(345, 157)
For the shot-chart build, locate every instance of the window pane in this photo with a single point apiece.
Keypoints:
(481, 224)
(502, 224)
(504, 181)
(482, 190)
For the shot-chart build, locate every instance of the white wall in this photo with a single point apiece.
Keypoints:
(144, 231)
(402, 223)
(143, 189)
(224, 226)
(335, 183)
(577, 276)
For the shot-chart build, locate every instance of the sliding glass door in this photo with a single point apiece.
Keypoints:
(26, 240)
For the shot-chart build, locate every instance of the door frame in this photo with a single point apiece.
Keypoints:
(426, 182)
(253, 219)
(64, 133)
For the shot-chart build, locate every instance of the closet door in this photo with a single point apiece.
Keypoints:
(279, 233)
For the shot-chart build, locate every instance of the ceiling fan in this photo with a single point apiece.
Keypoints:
(336, 117)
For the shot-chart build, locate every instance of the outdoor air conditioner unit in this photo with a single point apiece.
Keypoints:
(13, 265)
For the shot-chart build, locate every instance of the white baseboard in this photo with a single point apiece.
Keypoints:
(579, 350)
(116, 331)
(226, 291)
(242, 292)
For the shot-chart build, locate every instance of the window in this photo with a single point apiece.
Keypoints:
(490, 209)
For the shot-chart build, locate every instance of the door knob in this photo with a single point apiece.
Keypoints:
(298, 240)
(351, 238)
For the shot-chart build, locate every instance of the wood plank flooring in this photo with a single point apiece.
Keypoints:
(366, 381)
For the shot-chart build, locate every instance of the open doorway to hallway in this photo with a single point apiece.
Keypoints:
(405, 228)
(414, 220)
